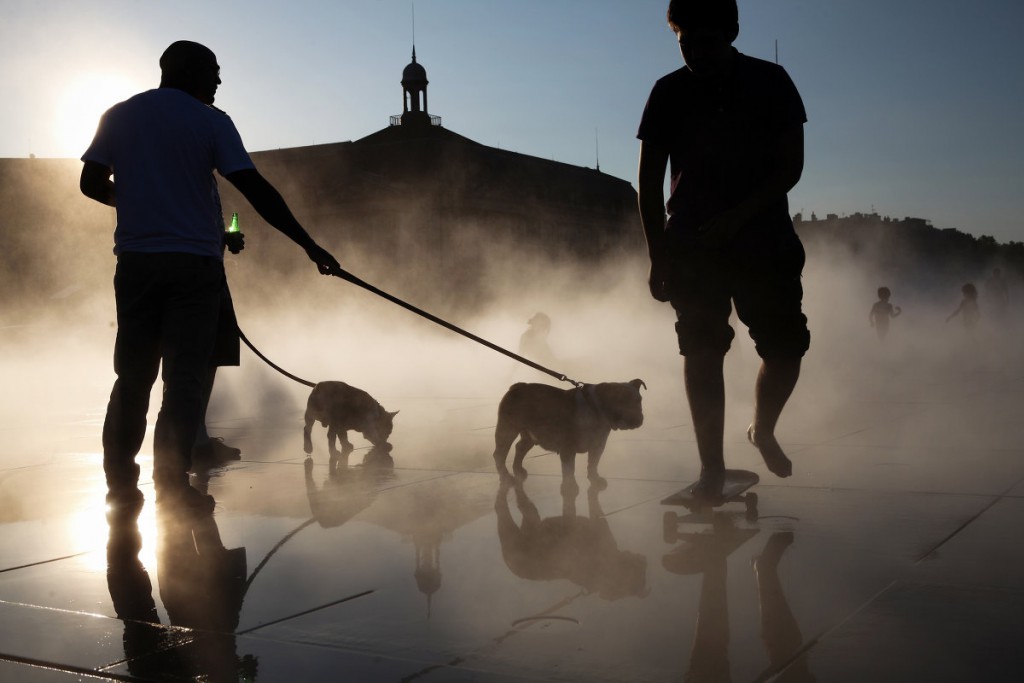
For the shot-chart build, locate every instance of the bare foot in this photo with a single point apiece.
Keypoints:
(776, 460)
(708, 488)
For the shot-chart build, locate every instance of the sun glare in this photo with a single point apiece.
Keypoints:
(80, 106)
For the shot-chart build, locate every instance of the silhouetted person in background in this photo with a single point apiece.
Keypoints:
(968, 308)
(533, 343)
(162, 147)
(732, 127)
(997, 295)
(882, 312)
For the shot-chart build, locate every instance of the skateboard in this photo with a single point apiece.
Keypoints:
(733, 491)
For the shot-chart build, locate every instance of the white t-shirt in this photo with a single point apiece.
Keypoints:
(163, 146)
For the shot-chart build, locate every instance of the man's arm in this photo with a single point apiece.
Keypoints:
(783, 177)
(95, 183)
(651, 197)
(269, 204)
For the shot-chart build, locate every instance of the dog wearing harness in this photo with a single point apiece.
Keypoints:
(564, 421)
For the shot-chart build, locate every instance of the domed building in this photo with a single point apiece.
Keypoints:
(443, 207)
(413, 203)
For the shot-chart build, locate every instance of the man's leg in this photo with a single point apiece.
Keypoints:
(136, 363)
(700, 297)
(202, 436)
(188, 329)
(705, 391)
(768, 300)
(775, 382)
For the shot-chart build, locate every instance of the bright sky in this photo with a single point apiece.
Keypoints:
(916, 107)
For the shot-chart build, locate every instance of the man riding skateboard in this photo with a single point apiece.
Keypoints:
(732, 128)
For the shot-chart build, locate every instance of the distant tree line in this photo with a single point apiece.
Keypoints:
(911, 249)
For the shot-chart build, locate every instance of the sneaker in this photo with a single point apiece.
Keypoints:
(215, 450)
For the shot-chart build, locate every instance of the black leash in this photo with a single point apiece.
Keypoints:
(269, 362)
(345, 275)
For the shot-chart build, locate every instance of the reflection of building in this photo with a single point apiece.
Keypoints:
(426, 515)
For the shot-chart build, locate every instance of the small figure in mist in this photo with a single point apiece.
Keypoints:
(882, 312)
(730, 129)
(997, 295)
(162, 147)
(968, 309)
(533, 343)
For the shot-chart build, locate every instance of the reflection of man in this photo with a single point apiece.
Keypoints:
(707, 554)
(162, 147)
(732, 127)
(202, 585)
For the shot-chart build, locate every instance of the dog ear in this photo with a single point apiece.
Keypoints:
(637, 383)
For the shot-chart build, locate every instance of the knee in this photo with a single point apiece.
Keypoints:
(703, 338)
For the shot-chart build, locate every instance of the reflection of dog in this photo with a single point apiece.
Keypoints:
(346, 492)
(341, 407)
(580, 549)
(566, 421)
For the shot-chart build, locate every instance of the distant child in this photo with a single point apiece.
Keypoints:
(882, 312)
(968, 308)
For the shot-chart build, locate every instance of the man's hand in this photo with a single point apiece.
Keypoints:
(234, 241)
(325, 263)
(657, 280)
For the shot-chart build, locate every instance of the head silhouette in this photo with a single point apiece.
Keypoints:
(718, 15)
(706, 30)
(969, 291)
(884, 293)
(191, 67)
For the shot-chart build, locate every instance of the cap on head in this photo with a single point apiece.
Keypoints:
(722, 15)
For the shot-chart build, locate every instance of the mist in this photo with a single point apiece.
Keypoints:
(58, 325)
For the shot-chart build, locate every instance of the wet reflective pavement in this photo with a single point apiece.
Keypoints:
(893, 553)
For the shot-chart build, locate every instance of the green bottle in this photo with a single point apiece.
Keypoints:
(234, 223)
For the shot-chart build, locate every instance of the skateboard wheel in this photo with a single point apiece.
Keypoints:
(751, 502)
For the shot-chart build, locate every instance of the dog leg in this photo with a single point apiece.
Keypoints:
(593, 458)
(526, 442)
(569, 486)
(346, 445)
(307, 440)
(332, 434)
(503, 438)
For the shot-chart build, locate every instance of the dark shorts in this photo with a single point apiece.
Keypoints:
(226, 348)
(764, 285)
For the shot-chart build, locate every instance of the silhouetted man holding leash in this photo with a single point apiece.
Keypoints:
(732, 128)
(162, 147)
